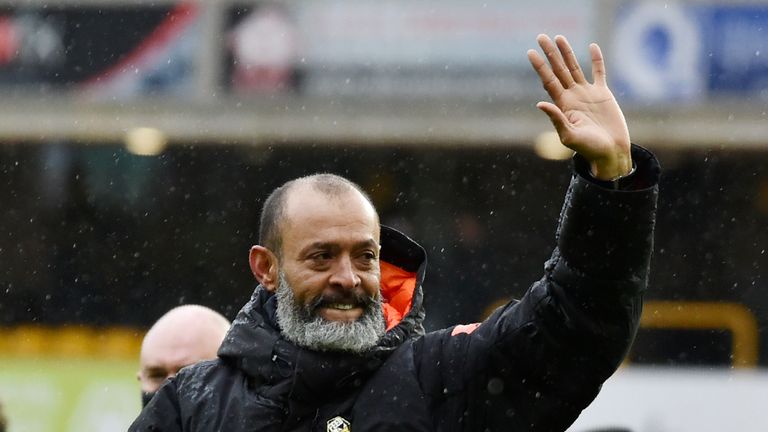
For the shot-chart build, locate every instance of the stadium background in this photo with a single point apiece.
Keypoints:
(138, 139)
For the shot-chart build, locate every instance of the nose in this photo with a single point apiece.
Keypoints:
(344, 274)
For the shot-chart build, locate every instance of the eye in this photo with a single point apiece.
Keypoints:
(367, 257)
(157, 375)
(321, 259)
(321, 256)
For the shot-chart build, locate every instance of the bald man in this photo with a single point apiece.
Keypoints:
(183, 336)
(332, 339)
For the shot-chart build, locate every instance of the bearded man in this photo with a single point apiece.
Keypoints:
(332, 339)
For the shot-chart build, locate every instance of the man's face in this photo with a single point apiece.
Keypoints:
(184, 336)
(330, 251)
(163, 362)
(158, 364)
(330, 262)
(167, 349)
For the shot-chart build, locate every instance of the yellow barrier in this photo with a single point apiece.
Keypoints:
(733, 317)
(125, 343)
(71, 341)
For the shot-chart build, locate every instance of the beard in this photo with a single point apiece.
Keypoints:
(301, 324)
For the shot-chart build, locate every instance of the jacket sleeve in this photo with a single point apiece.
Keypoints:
(534, 364)
(162, 413)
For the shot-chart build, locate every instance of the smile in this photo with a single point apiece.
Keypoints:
(341, 306)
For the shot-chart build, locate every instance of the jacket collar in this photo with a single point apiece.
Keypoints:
(255, 346)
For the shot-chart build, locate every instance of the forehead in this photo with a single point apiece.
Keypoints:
(168, 352)
(177, 353)
(311, 215)
(182, 341)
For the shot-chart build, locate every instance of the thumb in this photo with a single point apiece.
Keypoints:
(558, 119)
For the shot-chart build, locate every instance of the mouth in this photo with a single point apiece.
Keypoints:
(344, 307)
(340, 306)
(341, 312)
(340, 301)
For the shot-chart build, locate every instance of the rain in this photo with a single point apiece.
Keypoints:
(138, 141)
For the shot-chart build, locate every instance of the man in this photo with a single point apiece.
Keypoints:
(332, 339)
(183, 336)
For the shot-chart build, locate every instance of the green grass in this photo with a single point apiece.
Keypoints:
(68, 394)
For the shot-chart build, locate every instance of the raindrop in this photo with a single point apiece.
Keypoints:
(495, 386)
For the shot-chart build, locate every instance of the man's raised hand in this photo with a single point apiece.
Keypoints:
(586, 115)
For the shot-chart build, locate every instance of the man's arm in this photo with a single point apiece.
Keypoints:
(536, 363)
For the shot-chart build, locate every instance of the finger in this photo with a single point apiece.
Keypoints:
(548, 79)
(555, 60)
(558, 119)
(598, 65)
(570, 59)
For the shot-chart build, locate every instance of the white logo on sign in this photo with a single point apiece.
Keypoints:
(677, 75)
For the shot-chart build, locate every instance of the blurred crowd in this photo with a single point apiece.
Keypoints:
(93, 231)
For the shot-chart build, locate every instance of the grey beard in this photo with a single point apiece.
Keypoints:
(302, 326)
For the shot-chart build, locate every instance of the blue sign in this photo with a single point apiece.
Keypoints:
(736, 41)
(677, 52)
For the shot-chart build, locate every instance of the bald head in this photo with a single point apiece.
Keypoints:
(183, 336)
(274, 212)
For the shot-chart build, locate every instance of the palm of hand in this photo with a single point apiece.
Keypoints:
(586, 115)
(597, 123)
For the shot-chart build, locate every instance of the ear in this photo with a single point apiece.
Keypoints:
(264, 266)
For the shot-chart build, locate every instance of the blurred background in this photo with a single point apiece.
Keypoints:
(138, 140)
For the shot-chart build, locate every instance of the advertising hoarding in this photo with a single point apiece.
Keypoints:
(398, 48)
(104, 52)
(690, 52)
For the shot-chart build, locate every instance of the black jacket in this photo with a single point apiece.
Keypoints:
(533, 365)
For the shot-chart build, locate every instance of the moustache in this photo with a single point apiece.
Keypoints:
(358, 298)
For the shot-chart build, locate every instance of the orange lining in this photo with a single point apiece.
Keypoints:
(397, 286)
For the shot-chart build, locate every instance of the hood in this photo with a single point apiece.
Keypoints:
(254, 343)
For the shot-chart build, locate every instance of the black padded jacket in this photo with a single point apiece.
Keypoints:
(533, 365)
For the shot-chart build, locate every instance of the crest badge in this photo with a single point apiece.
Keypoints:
(338, 424)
